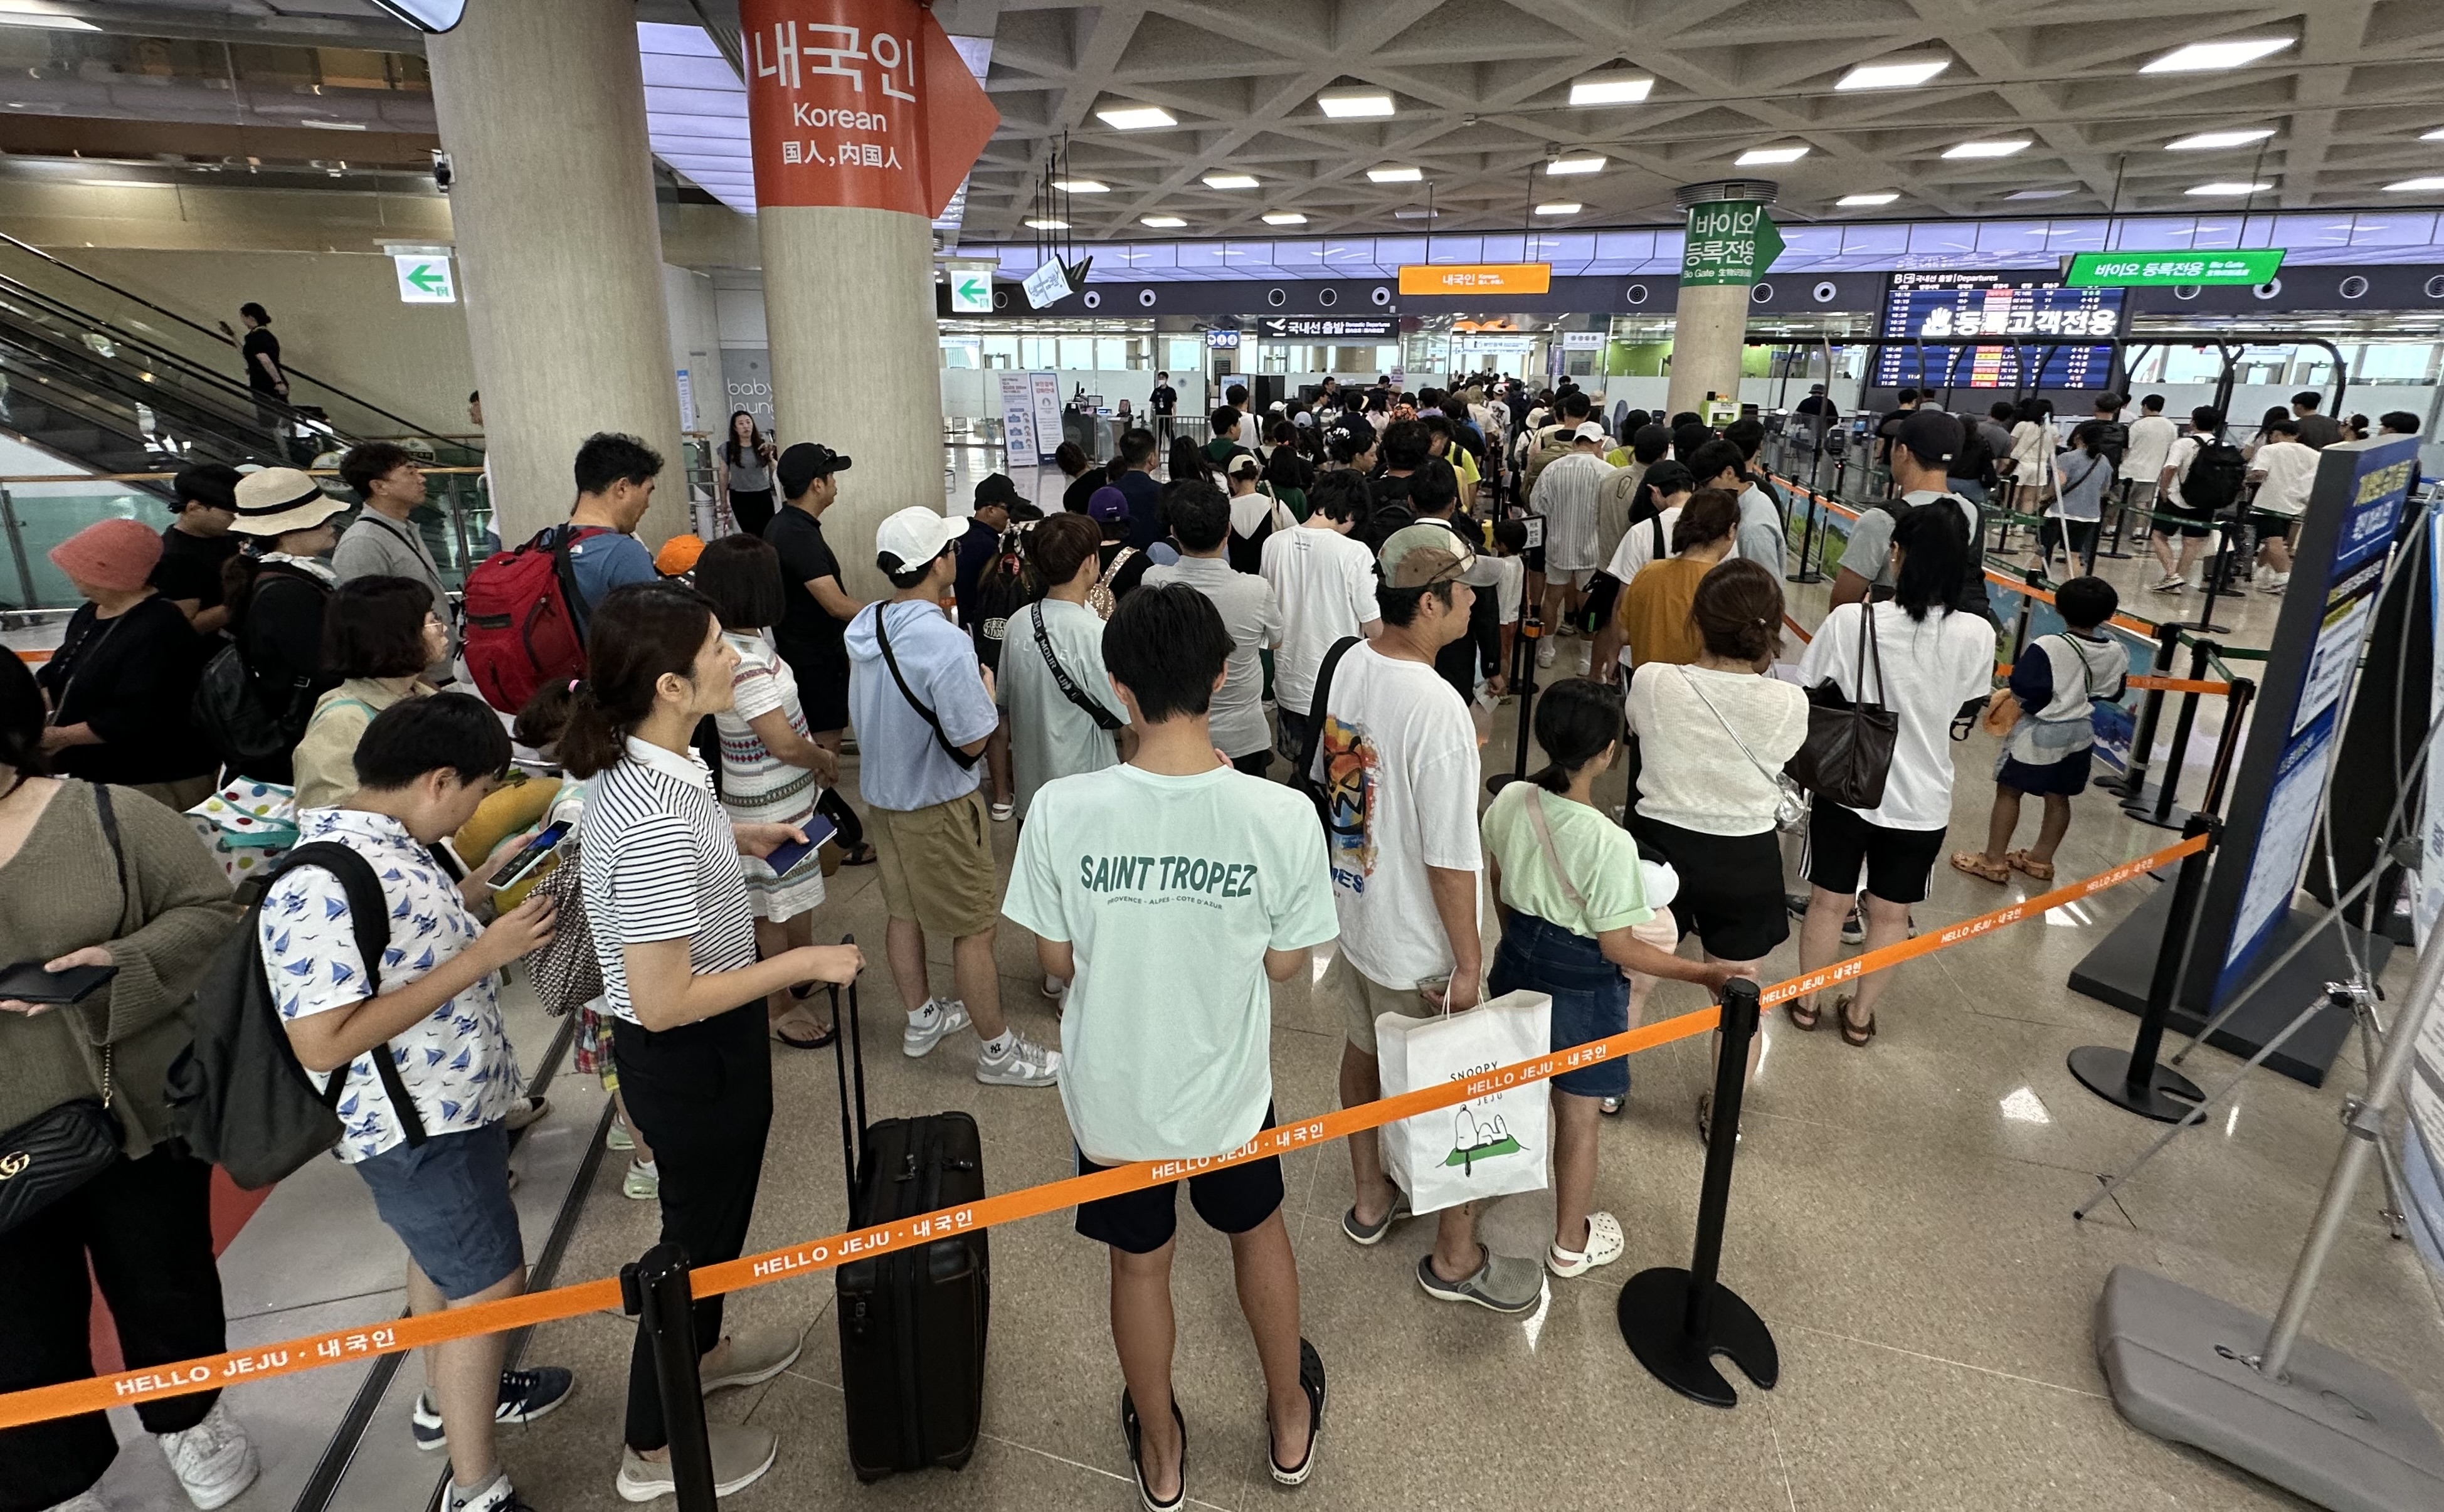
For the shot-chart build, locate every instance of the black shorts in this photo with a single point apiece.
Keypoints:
(1731, 887)
(2172, 520)
(1898, 861)
(1231, 1200)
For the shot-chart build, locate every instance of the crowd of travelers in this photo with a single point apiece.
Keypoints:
(1159, 685)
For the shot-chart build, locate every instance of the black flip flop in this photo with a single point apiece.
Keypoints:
(864, 855)
(1131, 1429)
(1311, 1382)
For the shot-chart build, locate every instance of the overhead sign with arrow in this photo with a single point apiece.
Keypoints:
(971, 288)
(424, 278)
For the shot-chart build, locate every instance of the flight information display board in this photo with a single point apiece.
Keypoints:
(1949, 306)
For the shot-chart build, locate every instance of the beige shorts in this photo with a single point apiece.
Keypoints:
(1362, 999)
(937, 865)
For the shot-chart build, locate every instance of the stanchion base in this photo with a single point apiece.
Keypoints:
(2168, 1097)
(2141, 807)
(1811, 576)
(1653, 1312)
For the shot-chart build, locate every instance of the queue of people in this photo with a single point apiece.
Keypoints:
(1127, 652)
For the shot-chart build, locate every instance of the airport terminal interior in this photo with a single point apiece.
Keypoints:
(976, 250)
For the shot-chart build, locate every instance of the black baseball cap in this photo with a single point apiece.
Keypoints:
(995, 487)
(804, 463)
(1932, 435)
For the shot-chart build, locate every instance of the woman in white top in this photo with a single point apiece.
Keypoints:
(2081, 474)
(771, 772)
(2033, 451)
(1922, 657)
(675, 935)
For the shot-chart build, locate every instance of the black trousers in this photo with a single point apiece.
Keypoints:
(702, 1097)
(752, 509)
(147, 1226)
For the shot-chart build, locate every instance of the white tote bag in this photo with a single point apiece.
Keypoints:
(1487, 1147)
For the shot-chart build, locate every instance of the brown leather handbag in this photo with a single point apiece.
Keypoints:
(1848, 751)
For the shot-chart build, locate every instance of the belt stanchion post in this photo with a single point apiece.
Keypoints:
(1676, 1321)
(1523, 682)
(2163, 816)
(2133, 785)
(2132, 1080)
(655, 1290)
(1807, 570)
(2028, 607)
(2235, 711)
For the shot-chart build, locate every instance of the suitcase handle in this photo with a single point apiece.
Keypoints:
(846, 1045)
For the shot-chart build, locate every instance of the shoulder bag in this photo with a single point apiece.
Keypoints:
(882, 638)
(60, 1148)
(1104, 719)
(1302, 775)
(1790, 808)
(1848, 752)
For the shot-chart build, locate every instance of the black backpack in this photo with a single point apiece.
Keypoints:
(2113, 440)
(1974, 461)
(2213, 480)
(238, 1096)
(253, 723)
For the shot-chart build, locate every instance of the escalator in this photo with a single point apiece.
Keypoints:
(107, 379)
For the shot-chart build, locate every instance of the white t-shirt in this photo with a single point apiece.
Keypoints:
(1050, 736)
(1693, 774)
(1397, 760)
(2151, 440)
(1253, 619)
(1929, 668)
(2291, 469)
(2184, 451)
(1170, 889)
(1566, 496)
(1324, 582)
(1637, 548)
(1508, 588)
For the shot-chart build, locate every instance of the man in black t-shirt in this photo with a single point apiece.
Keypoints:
(198, 544)
(811, 635)
(1162, 401)
(261, 350)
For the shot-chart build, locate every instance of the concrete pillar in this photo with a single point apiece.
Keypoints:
(541, 109)
(849, 308)
(1706, 331)
(1711, 323)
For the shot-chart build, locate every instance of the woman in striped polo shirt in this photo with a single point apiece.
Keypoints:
(666, 895)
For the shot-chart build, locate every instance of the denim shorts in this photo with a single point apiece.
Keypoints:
(1590, 996)
(447, 1201)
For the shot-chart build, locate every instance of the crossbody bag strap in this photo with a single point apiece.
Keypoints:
(1316, 705)
(883, 639)
(1102, 717)
(1691, 682)
(367, 906)
(1552, 854)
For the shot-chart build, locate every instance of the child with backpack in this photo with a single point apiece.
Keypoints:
(2202, 478)
(2055, 686)
(384, 977)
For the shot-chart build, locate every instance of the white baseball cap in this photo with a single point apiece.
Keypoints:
(914, 537)
(1589, 431)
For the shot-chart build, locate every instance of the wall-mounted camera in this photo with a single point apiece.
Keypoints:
(444, 173)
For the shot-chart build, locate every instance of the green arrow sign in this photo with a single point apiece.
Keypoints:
(424, 279)
(428, 278)
(1729, 242)
(972, 288)
(2251, 267)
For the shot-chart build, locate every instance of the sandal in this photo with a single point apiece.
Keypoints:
(1853, 1034)
(864, 855)
(1975, 864)
(799, 1017)
(1133, 1430)
(1805, 1016)
(1311, 1382)
(2018, 861)
(1706, 1120)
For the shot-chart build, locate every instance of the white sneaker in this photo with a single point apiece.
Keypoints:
(741, 1454)
(928, 1024)
(81, 1501)
(2276, 582)
(212, 1460)
(1544, 651)
(1024, 1064)
(2171, 584)
(1604, 1245)
(1055, 988)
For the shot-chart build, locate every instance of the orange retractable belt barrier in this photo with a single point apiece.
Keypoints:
(285, 1359)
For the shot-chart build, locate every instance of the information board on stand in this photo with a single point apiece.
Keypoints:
(1017, 416)
(1046, 390)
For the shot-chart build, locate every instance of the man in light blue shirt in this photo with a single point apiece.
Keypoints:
(923, 708)
(614, 485)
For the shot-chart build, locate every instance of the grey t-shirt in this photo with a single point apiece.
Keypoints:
(378, 545)
(1870, 551)
(1253, 619)
(1050, 736)
(751, 474)
(1760, 537)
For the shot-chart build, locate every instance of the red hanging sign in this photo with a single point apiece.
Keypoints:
(859, 102)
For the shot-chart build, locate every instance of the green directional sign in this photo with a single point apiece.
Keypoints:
(2250, 267)
(1731, 241)
(424, 278)
(972, 288)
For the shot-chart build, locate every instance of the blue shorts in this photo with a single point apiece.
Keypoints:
(447, 1201)
(1590, 996)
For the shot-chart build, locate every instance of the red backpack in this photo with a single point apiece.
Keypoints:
(526, 622)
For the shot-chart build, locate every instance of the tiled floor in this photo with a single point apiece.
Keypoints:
(1900, 1217)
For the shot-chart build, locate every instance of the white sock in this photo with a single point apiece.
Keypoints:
(647, 1167)
(923, 1018)
(461, 1495)
(1001, 1045)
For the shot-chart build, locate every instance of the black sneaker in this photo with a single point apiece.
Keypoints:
(1854, 929)
(525, 1396)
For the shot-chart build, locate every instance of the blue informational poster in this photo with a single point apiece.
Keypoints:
(2345, 540)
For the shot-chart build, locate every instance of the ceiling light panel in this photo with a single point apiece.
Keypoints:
(1987, 149)
(1854, 201)
(1893, 73)
(1284, 218)
(1350, 104)
(2211, 141)
(1395, 175)
(2227, 189)
(2207, 56)
(1576, 165)
(1229, 180)
(1756, 155)
(1082, 186)
(1162, 223)
(1560, 207)
(1136, 118)
(1610, 89)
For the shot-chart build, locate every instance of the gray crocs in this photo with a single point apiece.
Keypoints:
(1372, 1234)
(1506, 1283)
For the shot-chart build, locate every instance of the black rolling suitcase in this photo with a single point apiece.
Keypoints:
(911, 1319)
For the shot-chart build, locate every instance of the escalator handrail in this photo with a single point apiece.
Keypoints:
(411, 428)
(215, 383)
